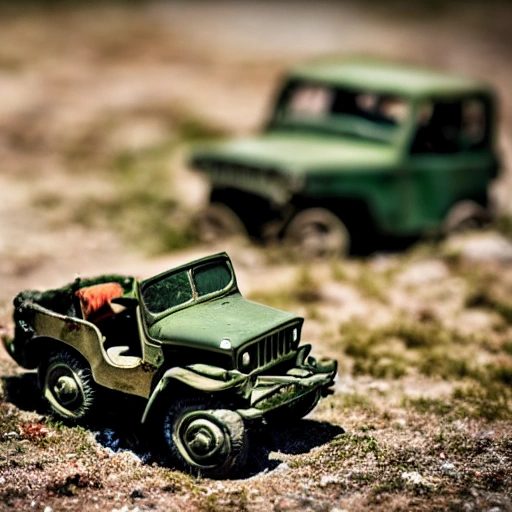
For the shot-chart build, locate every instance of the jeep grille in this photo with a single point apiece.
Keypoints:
(267, 182)
(270, 349)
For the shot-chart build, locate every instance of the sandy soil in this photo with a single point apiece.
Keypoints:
(104, 79)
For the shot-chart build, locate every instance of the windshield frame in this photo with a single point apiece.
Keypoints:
(153, 315)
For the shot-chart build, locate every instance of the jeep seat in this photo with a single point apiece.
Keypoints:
(95, 300)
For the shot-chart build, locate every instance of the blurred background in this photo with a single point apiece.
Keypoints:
(99, 101)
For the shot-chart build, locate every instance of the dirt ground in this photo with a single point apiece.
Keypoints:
(98, 106)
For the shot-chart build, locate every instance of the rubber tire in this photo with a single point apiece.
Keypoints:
(290, 413)
(73, 370)
(180, 418)
(316, 233)
(218, 222)
(465, 216)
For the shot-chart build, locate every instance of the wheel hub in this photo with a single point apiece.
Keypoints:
(66, 389)
(203, 438)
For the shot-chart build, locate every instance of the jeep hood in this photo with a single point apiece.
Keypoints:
(206, 324)
(297, 153)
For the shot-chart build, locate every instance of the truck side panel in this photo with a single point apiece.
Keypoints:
(85, 338)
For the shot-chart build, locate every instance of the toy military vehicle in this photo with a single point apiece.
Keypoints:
(208, 362)
(354, 152)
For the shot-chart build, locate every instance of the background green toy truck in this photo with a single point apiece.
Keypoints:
(208, 362)
(354, 151)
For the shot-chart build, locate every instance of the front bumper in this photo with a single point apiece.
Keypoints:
(257, 395)
(270, 392)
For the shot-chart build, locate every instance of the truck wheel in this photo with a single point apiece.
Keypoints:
(316, 233)
(293, 412)
(68, 386)
(211, 442)
(218, 222)
(465, 216)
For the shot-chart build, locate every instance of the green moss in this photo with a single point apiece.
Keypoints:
(504, 225)
(441, 363)
(191, 128)
(304, 289)
(405, 346)
(354, 444)
(489, 401)
(507, 347)
(369, 283)
(425, 405)
(485, 296)
(500, 373)
(351, 401)
(142, 206)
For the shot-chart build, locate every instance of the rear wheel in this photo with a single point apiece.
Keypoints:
(316, 233)
(68, 386)
(218, 222)
(204, 440)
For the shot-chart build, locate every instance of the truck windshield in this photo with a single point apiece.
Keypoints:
(177, 289)
(357, 113)
(170, 291)
(211, 278)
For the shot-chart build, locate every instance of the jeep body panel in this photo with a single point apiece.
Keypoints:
(216, 323)
(296, 154)
(53, 329)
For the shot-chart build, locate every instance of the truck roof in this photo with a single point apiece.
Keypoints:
(385, 77)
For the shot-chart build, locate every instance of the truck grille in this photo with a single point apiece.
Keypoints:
(268, 182)
(269, 349)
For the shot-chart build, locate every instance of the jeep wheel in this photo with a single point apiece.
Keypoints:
(211, 442)
(465, 216)
(67, 385)
(218, 222)
(317, 233)
(293, 412)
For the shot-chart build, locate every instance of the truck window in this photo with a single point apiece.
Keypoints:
(319, 101)
(451, 127)
(474, 123)
(360, 113)
(211, 278)
(314, 100)
(168, 292)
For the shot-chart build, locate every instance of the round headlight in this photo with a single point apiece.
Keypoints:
(246, 359)
(225, 344)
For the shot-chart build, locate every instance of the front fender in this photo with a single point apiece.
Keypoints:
(201, 377)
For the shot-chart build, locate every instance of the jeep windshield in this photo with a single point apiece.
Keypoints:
(179, 288)
(363, 114)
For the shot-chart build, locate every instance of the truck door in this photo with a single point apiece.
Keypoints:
(450, 157)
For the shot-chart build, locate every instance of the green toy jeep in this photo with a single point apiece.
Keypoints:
(356, 151)
(208, 362)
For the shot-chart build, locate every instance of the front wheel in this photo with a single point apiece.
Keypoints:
(316, 233)
(218, 222)
(204, 440)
